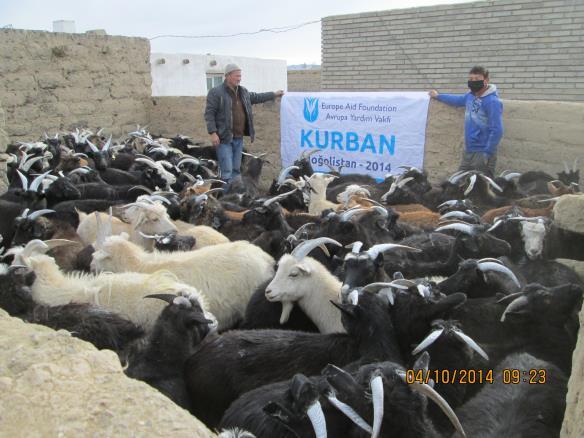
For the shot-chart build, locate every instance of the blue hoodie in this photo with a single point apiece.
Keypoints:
(483, 119)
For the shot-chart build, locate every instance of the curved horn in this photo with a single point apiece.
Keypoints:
(431, 393)
(471, 343)
(304, 248)
(473, 180)
(404, 181)
(491, 182)
(457, 176)
(107, 144)
(317, 419)
(496, 267)
(511, 175)
(514, 306)
(146, 189)
(376, 385)
(467, 229)
(306, 154)
(34, 186)
(428, 340)
(26, 165)
(458, 215)
(355, 246)
(301, 229)
(345, 216)
(167, 298)
(188, 160)
(450, 203)
(575, 165)
(92, 146)
(284, 174)
(35, 214)
(23, 180)
(349, 412)
(374, 251)
(566, 167)
(148, 162)
(278, 197)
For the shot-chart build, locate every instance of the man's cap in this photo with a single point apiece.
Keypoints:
(231, 67)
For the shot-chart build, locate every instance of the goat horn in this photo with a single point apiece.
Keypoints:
(457, 176)
(490, 259)
(456, 214)
(189, 160)
(496, 267)
(80, 154)
(304, 248)
(491, 182)
(398, 284)
(35, 214)
(511, 176)
(148, 162)
(374, 202)
(24, 214)
(301, 229)
(355, 247)
(467, 229)
(428, 340)
(575, 165)
(34, 186)
(349, 412)
(450, 203)
(23, 180)
(146, 189)
(566, 167)
(107, 144)
(509, 298)
(278, 197)
(306, 154)
(374, 251)
(431, 393)
(514, 307)
(158, 198)
(284, 174)
(92, 146)
(473, 180)
(317, 419)
(345, 216)
(471, 343)
(167, 298)
(409, 168)
(80, 170)
(404, 181)
(376, 385)
(28, 163)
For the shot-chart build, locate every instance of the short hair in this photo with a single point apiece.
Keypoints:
(478, 70)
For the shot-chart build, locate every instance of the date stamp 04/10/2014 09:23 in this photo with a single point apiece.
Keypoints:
(509, 376)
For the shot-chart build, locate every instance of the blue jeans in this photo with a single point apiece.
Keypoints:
(229, 157)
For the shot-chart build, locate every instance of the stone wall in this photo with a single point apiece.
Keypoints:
(533, 48)
(54, 385)
(538, 135)
(56, 81)
(304, 80)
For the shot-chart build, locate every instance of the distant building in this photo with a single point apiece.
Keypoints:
(194, 75)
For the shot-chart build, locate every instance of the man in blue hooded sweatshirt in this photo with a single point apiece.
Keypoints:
(483, 121)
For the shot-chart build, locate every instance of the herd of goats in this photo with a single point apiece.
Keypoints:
(330, 305)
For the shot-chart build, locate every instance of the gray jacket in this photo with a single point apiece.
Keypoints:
(218, 111)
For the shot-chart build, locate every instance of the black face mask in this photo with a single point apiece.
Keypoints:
(476, 85)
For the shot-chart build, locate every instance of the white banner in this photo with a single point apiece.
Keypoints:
(367, 133)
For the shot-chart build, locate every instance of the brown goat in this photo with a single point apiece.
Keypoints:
(490, 215)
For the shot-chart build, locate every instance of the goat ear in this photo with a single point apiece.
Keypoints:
(305, 269)
(347, 309)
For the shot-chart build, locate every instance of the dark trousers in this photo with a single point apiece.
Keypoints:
(479, 161)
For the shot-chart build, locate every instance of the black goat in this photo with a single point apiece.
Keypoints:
(242, 355)
(533, 406)
(159, 358)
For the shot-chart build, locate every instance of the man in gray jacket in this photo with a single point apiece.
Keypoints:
(229, 117)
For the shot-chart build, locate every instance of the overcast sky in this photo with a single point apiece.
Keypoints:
(149, 18)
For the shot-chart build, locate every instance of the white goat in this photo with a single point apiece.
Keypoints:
(303, 280)
(227, 274)
(120, 293)
(146, 217)
(318, 183)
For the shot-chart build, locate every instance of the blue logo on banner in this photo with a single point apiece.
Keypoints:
(310, 109)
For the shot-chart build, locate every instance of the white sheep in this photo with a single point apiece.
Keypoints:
(144, 217)
(120, 293)
(303, 280)
(227, 274)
